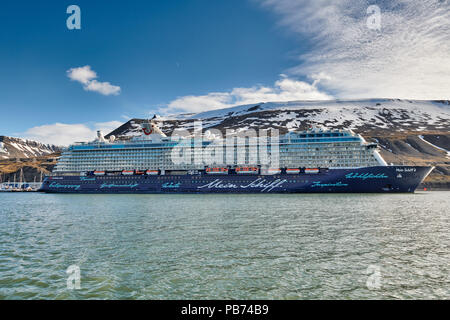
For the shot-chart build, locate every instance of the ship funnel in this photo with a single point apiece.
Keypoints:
(150, 128)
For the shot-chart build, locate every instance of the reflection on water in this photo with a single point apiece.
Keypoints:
(214, 246)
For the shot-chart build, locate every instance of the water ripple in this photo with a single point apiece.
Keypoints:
(225, 246)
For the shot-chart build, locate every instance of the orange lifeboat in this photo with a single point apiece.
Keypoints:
(247, 170)
(216, 170)
(152, 172)
(292, 171)
(99, 173)
(311, 170)
(127, 172)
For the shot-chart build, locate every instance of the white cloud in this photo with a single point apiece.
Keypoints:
(82, 74)
(107, 127)
(64, 134)
(104, 88)
(86, 76)
(407, 58)
(284, 89)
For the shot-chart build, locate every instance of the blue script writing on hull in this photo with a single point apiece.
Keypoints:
(265, 185)
(172, 185)
(364, 176)
(87, 179)
(373, 179)
(57, 185)
(322, 185)
(112, 185)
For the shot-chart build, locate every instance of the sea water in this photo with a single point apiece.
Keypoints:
(225, 246)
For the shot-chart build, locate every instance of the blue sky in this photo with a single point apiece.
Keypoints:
(190, 56)
(155, 51)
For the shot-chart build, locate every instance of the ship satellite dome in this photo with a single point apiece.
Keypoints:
(112, 138)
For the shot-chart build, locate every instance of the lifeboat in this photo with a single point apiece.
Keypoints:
(311, 170)
(292, 171)
(127, 172)
(273, 171)
(99, 173)
(138, 172)
(216, 170)
(152, 172)
(247, 170)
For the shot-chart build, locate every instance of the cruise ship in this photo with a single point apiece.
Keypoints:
(311, 161)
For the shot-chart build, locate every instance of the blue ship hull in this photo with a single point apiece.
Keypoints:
(356, 180)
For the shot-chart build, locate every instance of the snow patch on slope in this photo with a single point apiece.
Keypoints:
(357, 111)
(439, 148)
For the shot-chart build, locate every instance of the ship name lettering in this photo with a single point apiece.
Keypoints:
(218, 184)
(264, 184)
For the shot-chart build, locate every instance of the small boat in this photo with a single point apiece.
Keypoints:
(292, 171)
(99, 173)
(152, 172)
(216, 170)
(127, 172)
(311, 170)
(247, 170)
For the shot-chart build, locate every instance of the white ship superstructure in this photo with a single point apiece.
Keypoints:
(314, 148)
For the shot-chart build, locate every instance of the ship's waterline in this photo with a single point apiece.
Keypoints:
(225, 246)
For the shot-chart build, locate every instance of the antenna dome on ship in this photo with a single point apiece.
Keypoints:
(100, 136)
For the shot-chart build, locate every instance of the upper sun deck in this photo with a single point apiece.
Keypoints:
(157, 141)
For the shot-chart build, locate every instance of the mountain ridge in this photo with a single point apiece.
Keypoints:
(11, 147)
(369, 115)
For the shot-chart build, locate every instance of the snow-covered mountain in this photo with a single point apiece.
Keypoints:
(360, 115)
(407, 131)
(21, 148)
